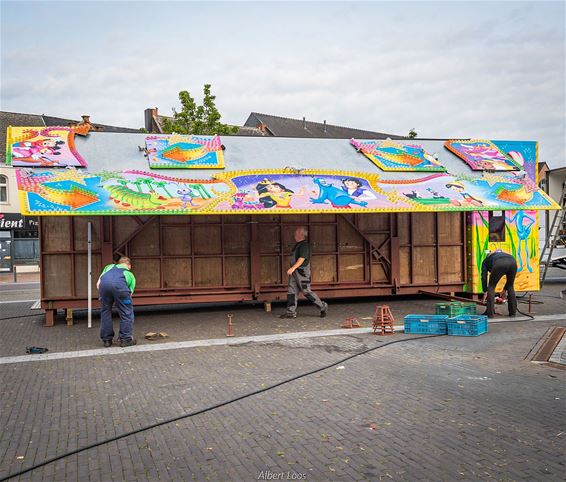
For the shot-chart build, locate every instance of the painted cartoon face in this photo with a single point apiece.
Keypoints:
(48, 143)
(275, 188)
(350, 184)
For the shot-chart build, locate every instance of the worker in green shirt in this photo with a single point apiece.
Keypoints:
(116, 285)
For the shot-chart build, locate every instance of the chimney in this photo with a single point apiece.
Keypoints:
(324, 122)
(149, 115)
(304, 123)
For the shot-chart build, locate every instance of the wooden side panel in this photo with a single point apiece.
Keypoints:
(322, 218)
(423, 228)
(404, 228)
(207, 219)
(450, 264)
(450, 228)
(297, 219)
(147, 242)
(351, 267)
(208, 272)
(123, 227)
(323, 268)
(176, 240)
(348, 239)
(405, 265)
(81, 274)
(177, 273)
(236, 218)
(269, 238)
(323, 238)
(288, 238)
(57, 276)
(270, 270)
(207, 239)
(237, 271)
(56, 233)
(424, 270)
(237, 239)
(175, 220)
(80, 230)
(378, 274)
(373, 222)
(148, 273)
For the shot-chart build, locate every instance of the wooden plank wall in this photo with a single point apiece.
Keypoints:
(173, 254)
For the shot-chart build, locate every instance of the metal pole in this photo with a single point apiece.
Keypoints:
(89, 269)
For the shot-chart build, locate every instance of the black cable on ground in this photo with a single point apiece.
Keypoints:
(210, 408)
(21, 316)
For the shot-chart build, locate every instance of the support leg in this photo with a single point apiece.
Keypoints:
(69, 316)
(50, 317)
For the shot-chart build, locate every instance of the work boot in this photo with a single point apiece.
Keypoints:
(107, 343)
(324, 310)
(125, 343)
(288, 315)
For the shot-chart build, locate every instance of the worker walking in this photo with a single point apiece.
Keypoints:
(300, 276)
(116, 285)
(499, 264)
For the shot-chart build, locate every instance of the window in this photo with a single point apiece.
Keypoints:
(496, 226)
(3, 189)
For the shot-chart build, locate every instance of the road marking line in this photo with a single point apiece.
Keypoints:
(221, 342)
(19, 301)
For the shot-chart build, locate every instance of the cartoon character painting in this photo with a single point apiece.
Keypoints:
(482, 155)
(389, 155)
(336, 197)
(186, 195)
(355, 188)
(275, 194)
(37, 152)
(42, 147)
(523, 224)
(467, 198)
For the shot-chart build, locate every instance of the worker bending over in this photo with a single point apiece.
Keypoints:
(499, 264)
(116, 285)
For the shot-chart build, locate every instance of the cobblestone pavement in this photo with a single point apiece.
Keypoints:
(442, 409)
(435, 409)
(194, 322)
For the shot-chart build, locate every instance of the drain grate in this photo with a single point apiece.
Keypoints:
(549, 344)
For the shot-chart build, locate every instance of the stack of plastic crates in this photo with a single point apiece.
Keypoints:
(467, 325)
(455, 308)
(426, 324)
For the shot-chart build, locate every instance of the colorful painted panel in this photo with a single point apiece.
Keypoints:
(184, 152)
(482, 155)
(42, 147)
(392, 156)
(521, 241)
(68, 192)
(71, 191)
(523, 153)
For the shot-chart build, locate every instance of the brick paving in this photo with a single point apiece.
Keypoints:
(442, 409)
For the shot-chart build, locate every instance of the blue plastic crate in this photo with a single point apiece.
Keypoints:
(467, 325)
(425, 324)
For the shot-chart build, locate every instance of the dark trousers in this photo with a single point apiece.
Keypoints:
(109, 295)
(502, 267)
(299, 281)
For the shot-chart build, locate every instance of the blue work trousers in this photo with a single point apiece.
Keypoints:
(111, 295)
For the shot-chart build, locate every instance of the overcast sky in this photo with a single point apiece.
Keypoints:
(449, 69)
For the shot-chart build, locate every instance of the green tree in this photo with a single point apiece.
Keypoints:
(197, 119)
(413, 133)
